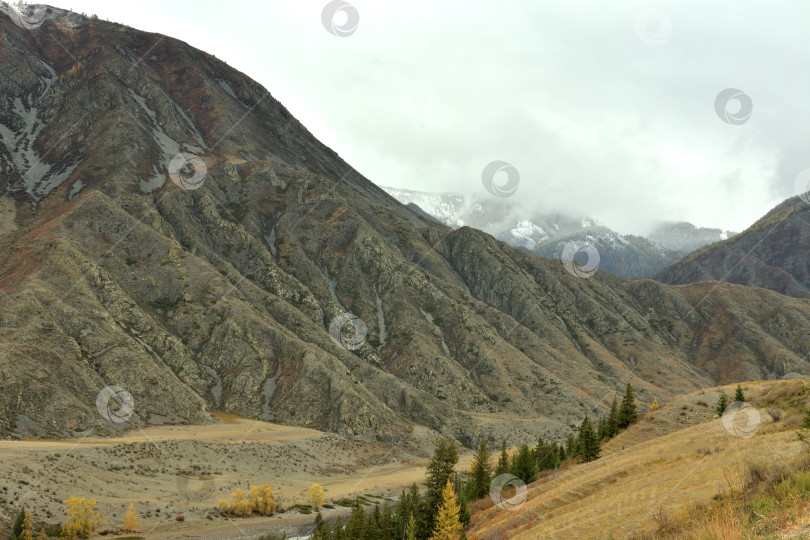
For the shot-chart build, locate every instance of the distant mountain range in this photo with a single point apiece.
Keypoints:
(625, 255)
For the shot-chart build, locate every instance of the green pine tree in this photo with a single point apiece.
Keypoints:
(571, 446)
(722, 403)
(321, 531)
(356, 526)
(738, 394)
(588, 441)
(374, 524)
(524, 465)
(17, 529)
(440, 469)
(387, 524)
(480, 472)
(503, 460)
(627, 411)
(337, 532)
(612, 428)
(601, 430)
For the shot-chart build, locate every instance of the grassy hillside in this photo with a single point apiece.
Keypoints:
(678, 473)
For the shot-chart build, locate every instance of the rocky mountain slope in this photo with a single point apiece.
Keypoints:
(267, 278)
(771, 254)
(624, 255)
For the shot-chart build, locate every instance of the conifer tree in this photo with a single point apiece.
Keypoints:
(738, 394)
(337, 532)
(27, 532)
(548, 455)
(480, 472)
(627, 411)
(412, 511)
(601, 430)
(722, 403)
(387, 524)
(571, 446)
(448, 526)
(503, 460)
(321, 531)
(356, 526)
(440, 469)
(613, 419)
(523, 465)
(464, 512)
(588, 442)
(374, 524)
(411, 530)
(17, 528)
(562, 453)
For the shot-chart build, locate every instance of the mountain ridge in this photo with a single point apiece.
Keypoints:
(233, 296)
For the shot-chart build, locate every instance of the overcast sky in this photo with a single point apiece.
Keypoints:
(604, 111)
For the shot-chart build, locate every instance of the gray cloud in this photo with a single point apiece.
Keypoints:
(598, 122)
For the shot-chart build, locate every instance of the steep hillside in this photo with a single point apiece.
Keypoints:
(269, 279)
(771, 254)
(673, 475)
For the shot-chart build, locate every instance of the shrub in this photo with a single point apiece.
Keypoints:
(82, 518)
(260, 500)
(130, 523)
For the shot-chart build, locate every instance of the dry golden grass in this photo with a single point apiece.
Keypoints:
(670, 470)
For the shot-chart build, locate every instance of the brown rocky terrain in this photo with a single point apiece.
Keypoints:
(770, 254)
(220, 298)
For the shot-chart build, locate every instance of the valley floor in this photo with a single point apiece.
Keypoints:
(185, 470)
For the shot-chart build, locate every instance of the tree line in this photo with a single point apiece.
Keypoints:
(440, 512)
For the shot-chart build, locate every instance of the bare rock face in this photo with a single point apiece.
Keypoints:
(222, 297)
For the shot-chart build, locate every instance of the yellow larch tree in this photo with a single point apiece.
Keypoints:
(27, 532)
(448, 525)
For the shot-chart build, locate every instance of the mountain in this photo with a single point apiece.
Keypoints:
(620, 254)
(258, 274)
(770, 254)
(685, 237)
(624, 255)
